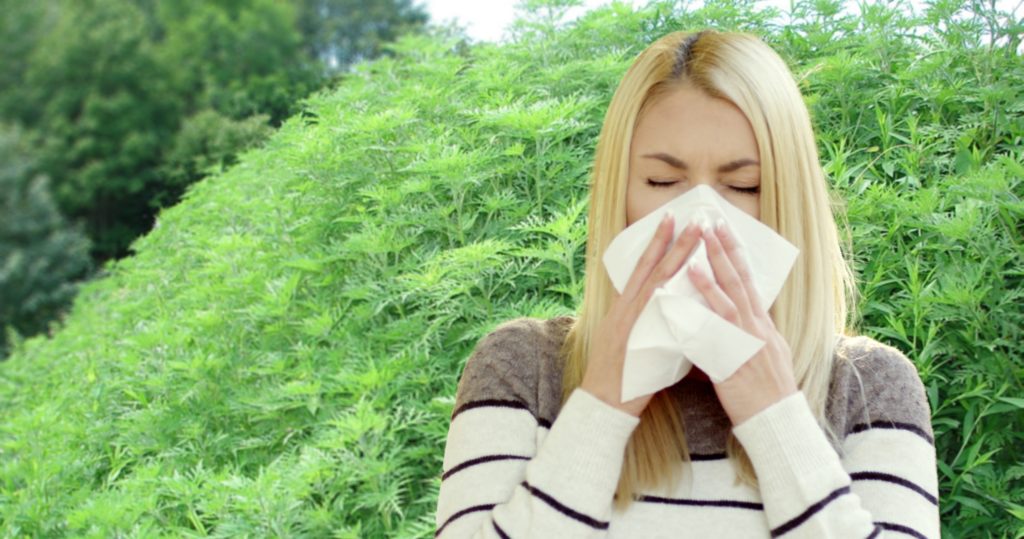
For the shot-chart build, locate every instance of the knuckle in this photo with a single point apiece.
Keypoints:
(663, 273)
(730, 280)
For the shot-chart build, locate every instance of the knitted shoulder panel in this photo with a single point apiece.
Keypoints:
(518, 365)
(874, 385)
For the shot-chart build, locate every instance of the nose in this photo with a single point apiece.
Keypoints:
(700, 177)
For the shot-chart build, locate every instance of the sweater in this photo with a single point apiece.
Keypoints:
(518, 463)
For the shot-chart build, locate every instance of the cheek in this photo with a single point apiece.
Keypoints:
(635, 204)
(641, 202)
(752, 206)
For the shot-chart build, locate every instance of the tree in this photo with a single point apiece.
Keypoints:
(114, 94)
(101, 108)
(342, 32)
(238, 58)
(42, 258)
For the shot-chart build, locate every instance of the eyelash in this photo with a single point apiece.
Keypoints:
(744, 190)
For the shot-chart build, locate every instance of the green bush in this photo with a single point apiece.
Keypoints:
(280, 357)
(206, 143)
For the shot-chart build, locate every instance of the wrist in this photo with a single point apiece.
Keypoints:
(611, 397)
(742, 405)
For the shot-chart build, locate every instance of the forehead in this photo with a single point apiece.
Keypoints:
(688, 123)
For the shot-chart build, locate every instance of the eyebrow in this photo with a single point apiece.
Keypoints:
(681, 165)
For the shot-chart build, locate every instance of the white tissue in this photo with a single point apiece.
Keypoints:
(677, 329)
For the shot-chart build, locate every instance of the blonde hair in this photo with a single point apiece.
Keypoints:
(815, 304)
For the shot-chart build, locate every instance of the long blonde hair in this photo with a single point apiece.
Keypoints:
(816, 302)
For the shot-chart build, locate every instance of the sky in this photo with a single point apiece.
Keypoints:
(486, 20)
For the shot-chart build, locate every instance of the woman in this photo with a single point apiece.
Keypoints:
(818, 435)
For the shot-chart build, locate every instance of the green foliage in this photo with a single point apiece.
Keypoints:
(106, 87)
(41, 256)
(340, 33)
(101, 107)
(206, 142)
(237, 58)
(114, 91)
(942, 278)
(280, 357)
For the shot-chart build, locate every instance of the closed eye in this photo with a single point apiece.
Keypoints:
(653, 183)
(745, 190)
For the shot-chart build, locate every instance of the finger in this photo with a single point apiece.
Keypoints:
(739, 263)
(681, 250)
(726, 276)
(716, 298)
(654, 252)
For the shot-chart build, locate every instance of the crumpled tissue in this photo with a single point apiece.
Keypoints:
(677, 329)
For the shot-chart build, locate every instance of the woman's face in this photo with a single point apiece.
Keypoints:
(687, 138)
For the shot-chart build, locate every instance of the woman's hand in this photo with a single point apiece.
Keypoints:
(603, 377)
(768, 376)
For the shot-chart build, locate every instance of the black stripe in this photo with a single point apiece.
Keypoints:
(902, 529)
(479, 460)
(701, 503)
(466, 511)
(909, 427)
(879, 476)
(500, 403)
(802, 517)
(497, 529)
(565, 510)
(875, 531)
(707, 456)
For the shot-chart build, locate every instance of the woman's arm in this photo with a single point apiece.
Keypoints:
(507, 470)
(886, 483)
(504, 472)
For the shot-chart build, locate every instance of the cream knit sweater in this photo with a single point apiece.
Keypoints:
(519, 464)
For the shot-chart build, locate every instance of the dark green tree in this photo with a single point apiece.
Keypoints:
(238, 58)
(342, 32)
(115, 94)
(207, 142)
(42, 258)
(21, 26)
(101, 107)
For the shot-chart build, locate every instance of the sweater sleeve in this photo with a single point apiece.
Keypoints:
(507, 470)
(885, 484)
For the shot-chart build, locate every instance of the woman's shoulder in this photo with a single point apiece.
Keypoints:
(875, 385)
(517, 364)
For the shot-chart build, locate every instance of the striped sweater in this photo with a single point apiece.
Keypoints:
(518, 463)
